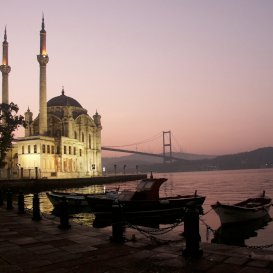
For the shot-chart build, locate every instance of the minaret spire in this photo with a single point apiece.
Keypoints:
(43, 22)
(43, 38)
(43, 60)
(5, 69)
(5, 35)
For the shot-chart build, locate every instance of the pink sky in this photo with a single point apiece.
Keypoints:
(202, 69)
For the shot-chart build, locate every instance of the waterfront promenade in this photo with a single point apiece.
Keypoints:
(28, 246)
(38, 185)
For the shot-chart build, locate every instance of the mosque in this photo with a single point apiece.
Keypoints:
(63, 141)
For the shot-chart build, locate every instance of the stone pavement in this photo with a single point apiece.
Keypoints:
(28, 246)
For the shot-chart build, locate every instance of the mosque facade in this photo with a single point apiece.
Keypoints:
(63, 140)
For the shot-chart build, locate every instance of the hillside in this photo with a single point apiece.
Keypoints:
(260, 158)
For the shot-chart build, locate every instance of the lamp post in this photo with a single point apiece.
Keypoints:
(115, 168)
(124, 167)
(19, 170)
(137, 169)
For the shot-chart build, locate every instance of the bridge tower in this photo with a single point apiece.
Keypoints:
(167, 147)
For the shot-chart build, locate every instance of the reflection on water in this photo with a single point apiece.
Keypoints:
(81, 218)
(224, 186)
(236, 234)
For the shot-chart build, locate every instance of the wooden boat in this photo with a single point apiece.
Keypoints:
(75, 200)
(145, 203)
(249, 209)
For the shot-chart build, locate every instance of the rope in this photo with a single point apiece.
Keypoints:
(207, 226)
(260, 246)
(205, 213)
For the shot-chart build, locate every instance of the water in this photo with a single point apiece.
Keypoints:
(224, 186)
(229, 187)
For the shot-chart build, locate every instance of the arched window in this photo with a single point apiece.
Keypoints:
(82, 137)
(23, 149)
(75, 135)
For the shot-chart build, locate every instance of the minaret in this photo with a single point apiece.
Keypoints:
(28, 120)
(43, 60)
(5, 69)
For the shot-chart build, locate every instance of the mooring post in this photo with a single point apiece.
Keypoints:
(117, 223)
(36, 207)
(21, 203)
(64, 215)
(1, 198)
(9, 200)
(191, 231)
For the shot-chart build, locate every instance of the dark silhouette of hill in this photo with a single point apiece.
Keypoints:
(260, 158)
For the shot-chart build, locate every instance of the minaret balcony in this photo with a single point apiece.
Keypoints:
(42, 59)
(5, 69)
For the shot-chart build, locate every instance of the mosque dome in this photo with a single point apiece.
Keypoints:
(63, 100)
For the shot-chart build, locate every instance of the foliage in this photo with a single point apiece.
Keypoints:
(9, 122)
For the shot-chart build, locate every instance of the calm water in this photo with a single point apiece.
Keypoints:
(225, 186)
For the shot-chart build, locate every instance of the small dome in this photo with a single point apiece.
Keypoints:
(63, 100)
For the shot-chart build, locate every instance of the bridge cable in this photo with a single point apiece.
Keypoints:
(137, 143)
(177, 143)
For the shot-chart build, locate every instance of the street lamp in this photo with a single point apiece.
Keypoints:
(115, 168)
(19, 169)
(124, 167)
(137, 169)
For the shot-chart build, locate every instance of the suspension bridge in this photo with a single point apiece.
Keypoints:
(167, 154)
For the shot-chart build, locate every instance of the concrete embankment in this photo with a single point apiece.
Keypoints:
(38, 185)
(29, 246)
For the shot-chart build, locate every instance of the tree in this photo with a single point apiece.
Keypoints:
(9, 122)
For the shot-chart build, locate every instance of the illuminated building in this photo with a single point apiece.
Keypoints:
(63, 140)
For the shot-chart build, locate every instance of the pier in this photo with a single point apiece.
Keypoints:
(32, 246)
(38, 185)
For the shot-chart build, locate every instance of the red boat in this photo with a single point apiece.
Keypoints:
(145, 203)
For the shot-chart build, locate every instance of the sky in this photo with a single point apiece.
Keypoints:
(201, 69)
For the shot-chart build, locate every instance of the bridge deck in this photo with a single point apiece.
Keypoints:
(140, 153)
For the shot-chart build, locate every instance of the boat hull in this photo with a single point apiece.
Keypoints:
(149, 218)
(101, 204)
(72, 199)
(164, 210)
(233, 214)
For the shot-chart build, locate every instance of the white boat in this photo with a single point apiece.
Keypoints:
(249, 209)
